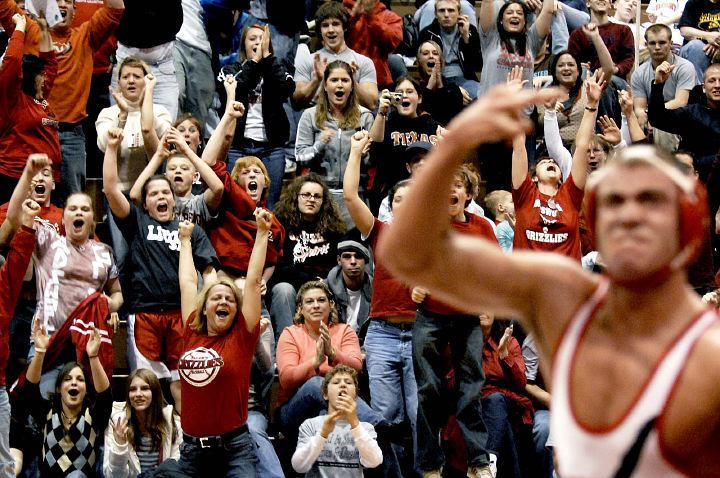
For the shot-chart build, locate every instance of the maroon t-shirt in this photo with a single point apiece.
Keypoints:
(215, 379)
(548, 223)
(390, 296)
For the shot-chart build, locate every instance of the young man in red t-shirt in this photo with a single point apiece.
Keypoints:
(437, 326)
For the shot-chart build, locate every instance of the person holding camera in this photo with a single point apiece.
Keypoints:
(399, 123)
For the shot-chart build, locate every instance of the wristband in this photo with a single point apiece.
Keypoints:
(92, 356)
(40, 350)
(590, 109)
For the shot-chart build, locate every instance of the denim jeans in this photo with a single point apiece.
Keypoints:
(431, 335)
(393, 390)
(543, 454)
(471, 86)
(7, 463)
(196, 82)
(693, 52)
(282, 307)
(72, 167)
(236, 459)
(274, 160)
(496, 412)
(268, 464)
(166, 91)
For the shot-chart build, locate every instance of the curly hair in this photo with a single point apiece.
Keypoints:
(328, 218)
(315, 284)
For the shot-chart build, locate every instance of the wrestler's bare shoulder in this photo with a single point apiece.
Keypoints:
(690, 427)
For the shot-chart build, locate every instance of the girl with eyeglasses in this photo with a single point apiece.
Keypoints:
(313, 228)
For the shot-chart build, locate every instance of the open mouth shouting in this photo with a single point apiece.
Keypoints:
(454, 200)
(162, 207)
(222, 313)
(78, 224)
(74, 392)
(178, 179)
(431, 64)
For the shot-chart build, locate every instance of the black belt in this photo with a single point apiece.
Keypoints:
(399, 325)
(255, 144)
(68, 126)
(214, 441)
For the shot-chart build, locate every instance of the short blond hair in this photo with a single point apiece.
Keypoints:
(247, 161)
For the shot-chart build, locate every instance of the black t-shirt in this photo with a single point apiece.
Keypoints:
(306, 256)
(701, 14)
(155, 254)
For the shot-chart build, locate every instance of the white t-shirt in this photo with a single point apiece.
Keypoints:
(353, 307)
(254, 124)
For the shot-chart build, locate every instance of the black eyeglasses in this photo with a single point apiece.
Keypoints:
(307, 196)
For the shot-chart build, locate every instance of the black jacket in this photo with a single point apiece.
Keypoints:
(469, 53)
(277, 87)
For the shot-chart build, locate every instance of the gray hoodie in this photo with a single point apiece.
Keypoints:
(328, 160)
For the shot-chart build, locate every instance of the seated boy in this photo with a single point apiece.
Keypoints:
(337, 444)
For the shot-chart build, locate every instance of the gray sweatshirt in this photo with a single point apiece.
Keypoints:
(329, 160)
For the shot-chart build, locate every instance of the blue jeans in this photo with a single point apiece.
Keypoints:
(471, 86)
(393, 390)
(496, 412)
(236, 459)
(282, 307)
(431, 335)
(543, 454)
(196, 82)
(274, 160)
(268, 464)
(308, 402)
(7, 463)
(72, 168)
(693, 52)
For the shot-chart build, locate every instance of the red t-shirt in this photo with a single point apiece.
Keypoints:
(52, 214)
(215, 379)
(474, 226)
(234, 236)
(548, 223)
(390, 296)
(26, 125)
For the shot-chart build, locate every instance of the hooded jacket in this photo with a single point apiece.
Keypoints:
(337, 286)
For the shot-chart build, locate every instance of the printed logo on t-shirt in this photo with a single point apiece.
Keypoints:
(308, 245)
(409, 137)
(52, 288)
(549, 216)
(709, 21)
(62, 48)
(102, 261)
(200, 366)
(509, 60)
(160, 234)
(549, 213)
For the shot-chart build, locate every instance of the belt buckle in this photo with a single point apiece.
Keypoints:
(203, 442)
